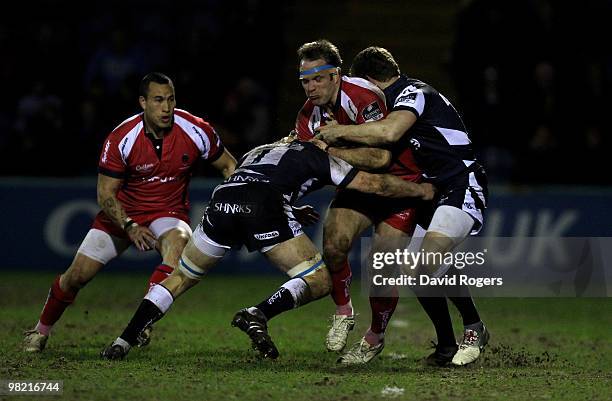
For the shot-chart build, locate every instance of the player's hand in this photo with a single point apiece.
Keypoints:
(319, 144)
(142, 237)
(428, 191)
(329, 118)
(306, 215)
(330, 134)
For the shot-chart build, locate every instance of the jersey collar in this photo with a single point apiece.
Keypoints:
(401, 82)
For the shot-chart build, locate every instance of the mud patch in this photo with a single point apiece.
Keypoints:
(504, 356)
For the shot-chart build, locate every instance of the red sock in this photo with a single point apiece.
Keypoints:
(341, 282)
(56, 304)
(382, 310)
(161, 272)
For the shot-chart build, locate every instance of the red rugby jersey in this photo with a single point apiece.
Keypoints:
(153, 184)
(358, 101)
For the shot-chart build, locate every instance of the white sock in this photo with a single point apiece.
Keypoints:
(161, 297)
(298, 289)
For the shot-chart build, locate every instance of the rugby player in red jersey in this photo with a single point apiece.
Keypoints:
(144, 172)
(333, 98)
(424, 119)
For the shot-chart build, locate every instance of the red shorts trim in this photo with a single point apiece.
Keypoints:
(405, 221)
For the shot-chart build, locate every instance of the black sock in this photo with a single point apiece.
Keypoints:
(461, 297)
(277, 303)
(465, 306)
(147, 314)
(437, 310)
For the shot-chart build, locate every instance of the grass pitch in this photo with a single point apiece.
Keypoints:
(540, 349)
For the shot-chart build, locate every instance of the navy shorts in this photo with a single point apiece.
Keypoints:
(252, 214)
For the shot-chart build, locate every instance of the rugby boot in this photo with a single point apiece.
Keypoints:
(361, 353)
(114, 351)
(339, 331)
(442, 355)
(472, 345)
(34, 341)
(253, 322)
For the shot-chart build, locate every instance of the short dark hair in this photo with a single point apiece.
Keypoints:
(321, 48)
(375, 62)
(156, 77)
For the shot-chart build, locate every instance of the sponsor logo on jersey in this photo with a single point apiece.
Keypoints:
(233, 208)
(415, 144)
(268, 235)
(409, 98)
(161, 180)
(372, 112)
(144, 167)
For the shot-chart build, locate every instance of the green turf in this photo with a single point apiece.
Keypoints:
(541, 349)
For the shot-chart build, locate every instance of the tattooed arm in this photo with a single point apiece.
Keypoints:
(108, 187)
(107, 199)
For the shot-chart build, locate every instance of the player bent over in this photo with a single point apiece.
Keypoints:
(144, 173)
(253, 208)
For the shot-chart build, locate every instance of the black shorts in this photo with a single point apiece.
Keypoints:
(467, 191)
(252, 214)
(399, 213)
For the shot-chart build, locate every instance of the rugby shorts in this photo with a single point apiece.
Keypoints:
(399, 213)
(105, 240)
(467, 191)
(255, 215)
(174, 219)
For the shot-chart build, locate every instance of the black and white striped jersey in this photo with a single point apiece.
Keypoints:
(294, 169)
(439, 140)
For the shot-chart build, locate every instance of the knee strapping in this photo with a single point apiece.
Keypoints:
(307, 267)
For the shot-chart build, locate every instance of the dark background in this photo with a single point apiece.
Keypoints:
(531, 78)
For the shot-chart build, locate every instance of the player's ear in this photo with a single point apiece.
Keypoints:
(142, 101)
(339, 74)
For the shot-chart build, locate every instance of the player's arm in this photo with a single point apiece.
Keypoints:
(108, 187)
(362, 158)
(390, 186)
(225, 164)
(382, 132)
